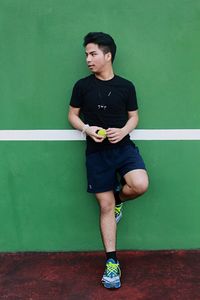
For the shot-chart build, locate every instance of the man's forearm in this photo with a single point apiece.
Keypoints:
(130, 125)
(76, 122)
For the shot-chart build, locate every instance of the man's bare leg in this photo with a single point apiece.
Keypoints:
(136, 184)
(111, 276)
(106, 202)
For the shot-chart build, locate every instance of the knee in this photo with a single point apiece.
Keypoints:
(107, 207)
(140, 187)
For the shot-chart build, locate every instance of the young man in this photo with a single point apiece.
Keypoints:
(104, 100)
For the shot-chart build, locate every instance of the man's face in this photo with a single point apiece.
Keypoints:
(96, 59)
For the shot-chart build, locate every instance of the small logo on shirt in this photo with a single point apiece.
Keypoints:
(101, 107)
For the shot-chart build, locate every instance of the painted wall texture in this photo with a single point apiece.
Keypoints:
(43, 200)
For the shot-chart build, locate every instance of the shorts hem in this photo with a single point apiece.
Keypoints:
(103, 190)
(131, 169)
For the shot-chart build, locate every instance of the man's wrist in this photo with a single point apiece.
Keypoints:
(124, 131)
(84, 129)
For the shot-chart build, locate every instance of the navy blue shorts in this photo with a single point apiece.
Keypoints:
(104, 166)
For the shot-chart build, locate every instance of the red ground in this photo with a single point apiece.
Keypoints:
(156, 275)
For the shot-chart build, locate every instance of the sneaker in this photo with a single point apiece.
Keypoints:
(118, 212)
(111, 276)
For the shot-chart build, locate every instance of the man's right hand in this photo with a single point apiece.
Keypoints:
(92, 132)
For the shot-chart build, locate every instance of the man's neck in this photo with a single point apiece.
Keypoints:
(107, 75)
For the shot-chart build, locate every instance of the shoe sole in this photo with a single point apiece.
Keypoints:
(118, 218)
(113, 285)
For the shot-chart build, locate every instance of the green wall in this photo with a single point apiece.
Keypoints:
(43, 199)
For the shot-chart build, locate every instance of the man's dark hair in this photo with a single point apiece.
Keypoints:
(103, 40)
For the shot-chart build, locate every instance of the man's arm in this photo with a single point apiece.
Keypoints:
(117, 134)
(74, 119)
(77, 123)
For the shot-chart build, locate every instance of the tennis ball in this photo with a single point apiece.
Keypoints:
(102, 132)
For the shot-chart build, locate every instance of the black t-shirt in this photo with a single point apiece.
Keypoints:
(104, 104)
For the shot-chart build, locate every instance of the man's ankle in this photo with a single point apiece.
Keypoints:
(111, 255)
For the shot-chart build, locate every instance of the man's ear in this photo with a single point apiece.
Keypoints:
(108, 56)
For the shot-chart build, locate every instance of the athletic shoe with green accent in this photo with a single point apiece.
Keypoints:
(112, 274)
(118, 212)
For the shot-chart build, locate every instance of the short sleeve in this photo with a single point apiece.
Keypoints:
(76, 97)
(132, 98)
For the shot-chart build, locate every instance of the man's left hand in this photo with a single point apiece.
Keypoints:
(115, 135)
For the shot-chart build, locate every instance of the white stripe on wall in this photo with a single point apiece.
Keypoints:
(75, 135)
